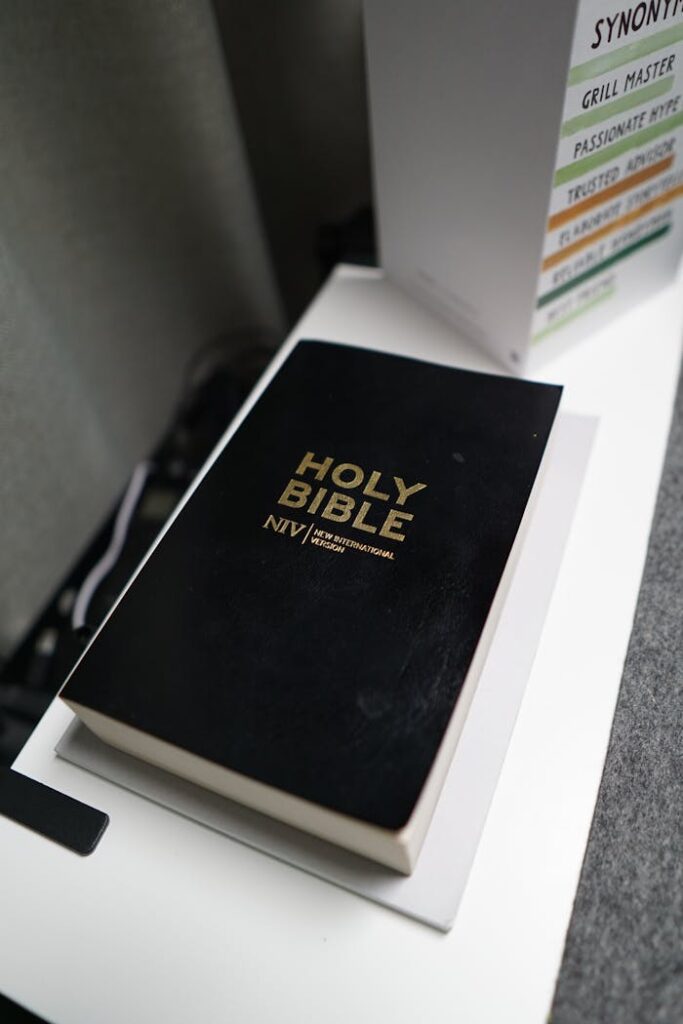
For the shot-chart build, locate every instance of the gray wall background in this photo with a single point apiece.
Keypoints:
(144, 211)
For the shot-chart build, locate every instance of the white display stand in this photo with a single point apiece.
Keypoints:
(433, 891)
(170, 921)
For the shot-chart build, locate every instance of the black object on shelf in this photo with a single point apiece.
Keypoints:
(51, 814)
(12, 1013)
(348, 241)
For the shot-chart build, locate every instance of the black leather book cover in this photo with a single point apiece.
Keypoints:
(309, 617)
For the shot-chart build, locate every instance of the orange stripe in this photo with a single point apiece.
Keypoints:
(558, 219)
(621, 222)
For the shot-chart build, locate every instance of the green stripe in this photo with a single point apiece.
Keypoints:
(624, 55)
(589, 163)
(572, 316)
(605, 265)
(627, 102)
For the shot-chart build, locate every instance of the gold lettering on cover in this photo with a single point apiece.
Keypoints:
(359, 521)
(369, 488)
(356, 478)
(315, 504)
(366, 516)
(320, 468)
(295, 494)
(405, 492)
(339, 507)
(280, 525)
(307, 534)
(393, 523)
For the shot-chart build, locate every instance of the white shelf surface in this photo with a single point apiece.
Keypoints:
(170, 921)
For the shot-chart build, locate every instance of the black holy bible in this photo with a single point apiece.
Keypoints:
(306, 635)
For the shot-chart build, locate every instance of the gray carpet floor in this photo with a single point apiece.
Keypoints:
(623, 960)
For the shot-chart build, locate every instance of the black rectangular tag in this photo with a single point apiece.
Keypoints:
(58, 817)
